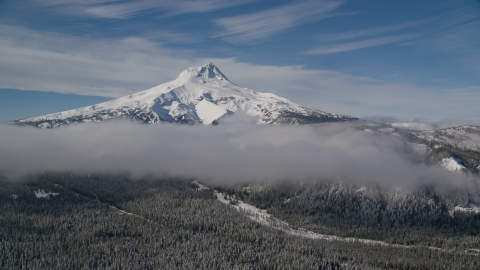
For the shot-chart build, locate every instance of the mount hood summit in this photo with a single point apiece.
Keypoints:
(199, 95)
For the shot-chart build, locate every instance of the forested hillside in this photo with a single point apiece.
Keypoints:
(430, 216)
(65, 221)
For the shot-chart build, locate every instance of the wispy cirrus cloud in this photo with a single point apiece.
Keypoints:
(115, 67)
(114, 9)
(364, 38)
(460, 33)
(373, 42)
(254, 27)
(111, 67)
(362, 33)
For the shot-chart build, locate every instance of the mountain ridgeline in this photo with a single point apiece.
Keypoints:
(200, 95)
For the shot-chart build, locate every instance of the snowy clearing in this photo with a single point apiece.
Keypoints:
(41, 194)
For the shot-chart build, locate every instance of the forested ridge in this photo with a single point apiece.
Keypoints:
(172, 226)
(424, 217)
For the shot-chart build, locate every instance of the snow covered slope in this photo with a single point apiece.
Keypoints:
(413, 126)
(452, 164)
(462, 137)
(457, 149)
(200, 95)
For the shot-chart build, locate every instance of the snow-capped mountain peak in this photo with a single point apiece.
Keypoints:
(208, 71)
(199, 95)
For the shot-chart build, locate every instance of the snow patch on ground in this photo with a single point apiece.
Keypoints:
(253, 213)
(413, 126)
(290, 199)
(452, 164)
(123, 212)
(209, 112)
(362, 189)
(472, 209)
(41, 194)
(14, 196)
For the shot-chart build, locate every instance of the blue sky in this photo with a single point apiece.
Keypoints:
(406, 59)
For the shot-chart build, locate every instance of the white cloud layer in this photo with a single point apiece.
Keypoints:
(223, 154)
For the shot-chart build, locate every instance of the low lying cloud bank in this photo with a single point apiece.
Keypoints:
(227, 153)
